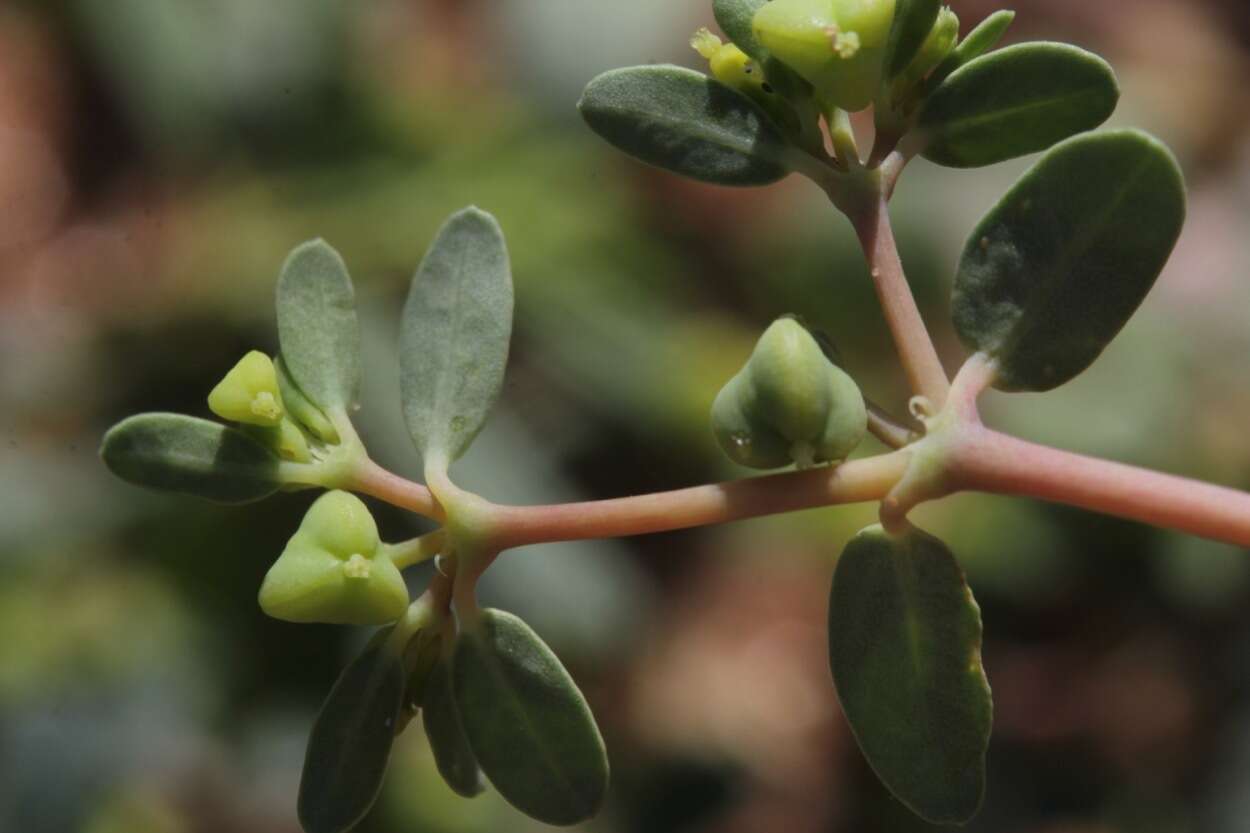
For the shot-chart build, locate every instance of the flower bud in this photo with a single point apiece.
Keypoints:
(249, 393)
(333, 569)
(837, 45)
(789, 404)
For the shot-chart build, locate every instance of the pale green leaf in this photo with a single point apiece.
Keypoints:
(457, 324)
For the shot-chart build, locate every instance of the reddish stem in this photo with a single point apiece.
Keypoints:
(989, 461)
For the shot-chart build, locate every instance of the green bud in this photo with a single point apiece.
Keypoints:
(249, 392)
(301, 407)
(332, 570)
(789, 404)
(837, 45)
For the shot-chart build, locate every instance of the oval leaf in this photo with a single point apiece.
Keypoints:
(451, 748)
(1018, 100)
(980, 40)
(684, 122)
(912, 21)
(1058, 267)
(456, 327)
(317, 326)
(905, 649)
(351, 740)
(527, 722)
(190, 456)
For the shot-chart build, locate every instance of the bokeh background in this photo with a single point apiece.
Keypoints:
(158, 158)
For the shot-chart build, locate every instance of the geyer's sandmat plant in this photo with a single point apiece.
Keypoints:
(1044, 283)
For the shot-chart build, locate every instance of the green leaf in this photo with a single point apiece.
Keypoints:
(528, 724)
(351, 740)
(191, 456)
(912, 21)
(317, 326)
(455, 332)
(452, 753)
(1057, 268)
(905, 649)
(980, 40)
(685, 122)
(1018, 100)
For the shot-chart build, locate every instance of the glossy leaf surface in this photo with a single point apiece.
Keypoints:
(191, 456)
(1016, 101)
(685, 122)
(351, 740)
(1055, 270)
(457, 324)
(905, 650)
(317, 326)
(527, 722)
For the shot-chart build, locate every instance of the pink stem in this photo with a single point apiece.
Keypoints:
(989, 461)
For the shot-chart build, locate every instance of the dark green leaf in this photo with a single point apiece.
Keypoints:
(905, 649)
(351, 740)
(447, 739)
(979, 41)
(317, 326)
(684, 122)
(527, 723)
(456, 327)
(912, 21)
(191, 456)
(1015, 101)
(1061, 263)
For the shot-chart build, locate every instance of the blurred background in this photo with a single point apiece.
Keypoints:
(158, 158)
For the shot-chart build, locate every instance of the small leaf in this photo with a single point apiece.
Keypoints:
(351, 740)
(190, 456)
(684, 122)
(980, 40)
(317, 326)
(528, 724)
(452, 753)
(912, 21)
(1057, 268)
(1015, 101)
(905, 649)
(455, 332)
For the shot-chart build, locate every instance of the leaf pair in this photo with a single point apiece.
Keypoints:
(501, 703)
(319, 337)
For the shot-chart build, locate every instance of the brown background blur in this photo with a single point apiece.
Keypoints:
(158, 158)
